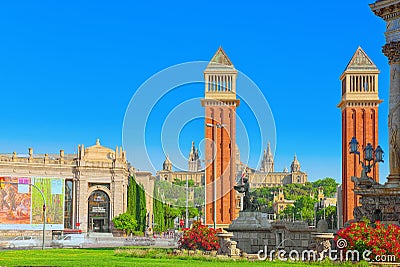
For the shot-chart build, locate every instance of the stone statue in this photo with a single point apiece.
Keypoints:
(394, 139)
(250, 203)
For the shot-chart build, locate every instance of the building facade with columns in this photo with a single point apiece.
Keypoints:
(90, 186)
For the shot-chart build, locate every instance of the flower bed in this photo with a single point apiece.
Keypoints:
(199, 237)
(380, 239)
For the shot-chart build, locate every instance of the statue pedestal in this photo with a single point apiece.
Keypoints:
(250, 220)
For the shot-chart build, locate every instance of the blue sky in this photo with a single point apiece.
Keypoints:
(68, 69)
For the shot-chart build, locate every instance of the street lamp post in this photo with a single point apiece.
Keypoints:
(215, 126)
(198, 207)
(187, 202)
(371, 157)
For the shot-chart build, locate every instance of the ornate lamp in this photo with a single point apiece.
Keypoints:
(369, 151)
(379, 154)
(366, 163)
(353, 146)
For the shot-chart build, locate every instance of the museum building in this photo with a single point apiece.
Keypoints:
(89, 187)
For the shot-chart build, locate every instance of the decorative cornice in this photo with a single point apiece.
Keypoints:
(392, 52)
(358, 103)
(220, 102)
(387, 10)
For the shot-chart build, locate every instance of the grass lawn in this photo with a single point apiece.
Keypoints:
(108, 257)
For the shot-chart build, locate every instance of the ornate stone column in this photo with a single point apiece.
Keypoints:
(392, 51)
(389, 10)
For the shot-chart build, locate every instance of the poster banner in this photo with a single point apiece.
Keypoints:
(15, 204)
(54, 194)
(21, 205)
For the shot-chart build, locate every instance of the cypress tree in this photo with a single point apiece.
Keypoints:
(159, 208)
(131, 209)
(142, 209)
(137, 203)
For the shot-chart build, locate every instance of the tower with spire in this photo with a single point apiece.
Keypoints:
(167, 165)
(359, 107)
(220, 105)
(267, 163)
(267, 176)
(194, 160)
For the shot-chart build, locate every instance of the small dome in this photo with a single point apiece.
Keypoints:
(295, 167)
(99, 153)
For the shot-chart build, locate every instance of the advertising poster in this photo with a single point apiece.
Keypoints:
(21, 205)
(15, 202)
(53, 191)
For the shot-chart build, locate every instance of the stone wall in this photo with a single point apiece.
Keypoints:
(253, 232)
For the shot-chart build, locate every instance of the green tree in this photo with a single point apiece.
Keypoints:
(141, 211)
(126, 222)
(137, 203)
(330, 215)
(328, 184)
(183, 182)
(131, 198)
(193, 212)
(288, 212)
(304, 206)
(170, 214)
(158, 215)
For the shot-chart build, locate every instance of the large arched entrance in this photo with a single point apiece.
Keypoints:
(98, 211)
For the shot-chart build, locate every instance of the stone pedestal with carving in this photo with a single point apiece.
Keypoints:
(378, 203)
(322, 239)
(228, 246)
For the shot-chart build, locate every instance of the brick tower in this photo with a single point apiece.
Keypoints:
(359, 106)
(220, 132)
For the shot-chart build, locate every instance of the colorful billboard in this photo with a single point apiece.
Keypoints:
(53, 191)
(15, 205)
(21, 205)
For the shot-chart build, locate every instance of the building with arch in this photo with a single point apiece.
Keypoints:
(89, 188)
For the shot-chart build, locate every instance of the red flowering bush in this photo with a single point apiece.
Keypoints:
(380, 240)
(199, 237)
